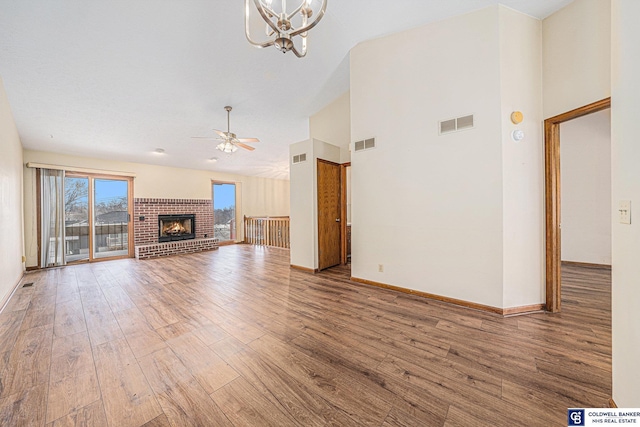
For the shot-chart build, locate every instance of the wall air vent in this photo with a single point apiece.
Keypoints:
(299, 158)
(365, 144)
(457, 124)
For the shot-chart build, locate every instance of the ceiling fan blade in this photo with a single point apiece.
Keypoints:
(219, 132)
(245, 146)
(248, 139)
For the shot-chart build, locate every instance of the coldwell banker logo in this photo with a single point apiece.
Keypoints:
(576, 417)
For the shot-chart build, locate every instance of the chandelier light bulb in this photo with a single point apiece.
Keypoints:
(286, 27)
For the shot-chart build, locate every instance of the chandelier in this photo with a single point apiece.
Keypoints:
(283, 25)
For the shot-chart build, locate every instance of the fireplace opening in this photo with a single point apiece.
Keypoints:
(176, 227)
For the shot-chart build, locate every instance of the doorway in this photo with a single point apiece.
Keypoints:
(329, 214)
(553, 199)
(224, 212)
(97, 217)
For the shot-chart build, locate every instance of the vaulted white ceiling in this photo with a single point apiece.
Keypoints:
(117, 79)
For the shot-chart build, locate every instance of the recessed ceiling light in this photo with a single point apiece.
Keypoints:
(159, 150)
(213, 159)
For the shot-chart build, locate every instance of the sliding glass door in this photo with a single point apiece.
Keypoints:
(76, 218)
(97, 217)
(110, 217)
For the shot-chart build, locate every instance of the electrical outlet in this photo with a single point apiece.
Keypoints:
(380, 268)
(625, 211)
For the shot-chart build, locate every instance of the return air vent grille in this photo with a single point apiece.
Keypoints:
(365, 144)
(299, 158)
(457, 124)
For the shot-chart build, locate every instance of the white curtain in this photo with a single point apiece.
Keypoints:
(52, 227)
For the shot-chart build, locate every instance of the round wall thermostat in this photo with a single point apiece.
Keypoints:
(517, 135)
(516, 117)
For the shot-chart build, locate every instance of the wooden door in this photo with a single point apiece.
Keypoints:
(328, 214)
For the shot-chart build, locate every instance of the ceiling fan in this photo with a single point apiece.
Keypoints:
(229, 141)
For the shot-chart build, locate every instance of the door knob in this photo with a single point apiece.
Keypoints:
(337, 219)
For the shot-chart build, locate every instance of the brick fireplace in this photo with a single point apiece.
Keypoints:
(146, 223)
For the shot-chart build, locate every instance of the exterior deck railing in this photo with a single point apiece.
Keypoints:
(108, 237)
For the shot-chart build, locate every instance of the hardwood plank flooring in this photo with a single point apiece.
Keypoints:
(203, 363)
(73, 383)
(90, 416)
(29, 361)
(126, 394)
(235, 337)
(181, 397)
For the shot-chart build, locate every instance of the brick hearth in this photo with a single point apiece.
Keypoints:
(158, 250)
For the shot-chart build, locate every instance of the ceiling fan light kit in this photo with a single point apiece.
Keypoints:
(229, 140)
(283, 24)
(227, 147)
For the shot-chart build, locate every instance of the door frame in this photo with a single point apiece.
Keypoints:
(90, 193)
(130, 203)
(343, 212)
(552, 195)
(235, 206)
(130, 226)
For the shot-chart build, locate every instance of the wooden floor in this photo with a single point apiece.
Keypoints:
(235, 337)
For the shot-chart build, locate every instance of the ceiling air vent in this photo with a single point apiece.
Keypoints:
(299, 158)
(453, 125)
(365, 144)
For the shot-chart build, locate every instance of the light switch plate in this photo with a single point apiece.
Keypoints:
(624, 210)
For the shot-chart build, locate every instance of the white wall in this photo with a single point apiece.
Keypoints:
(585, 153)
(258, 196)
(302, 219)
(625, 158)
(458, 215)
(11, 244)
(577, 52)
(304, 200)
(522, 162)
(428, 207)
(333, 125)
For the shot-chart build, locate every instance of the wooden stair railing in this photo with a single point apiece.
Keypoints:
(267, 231)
